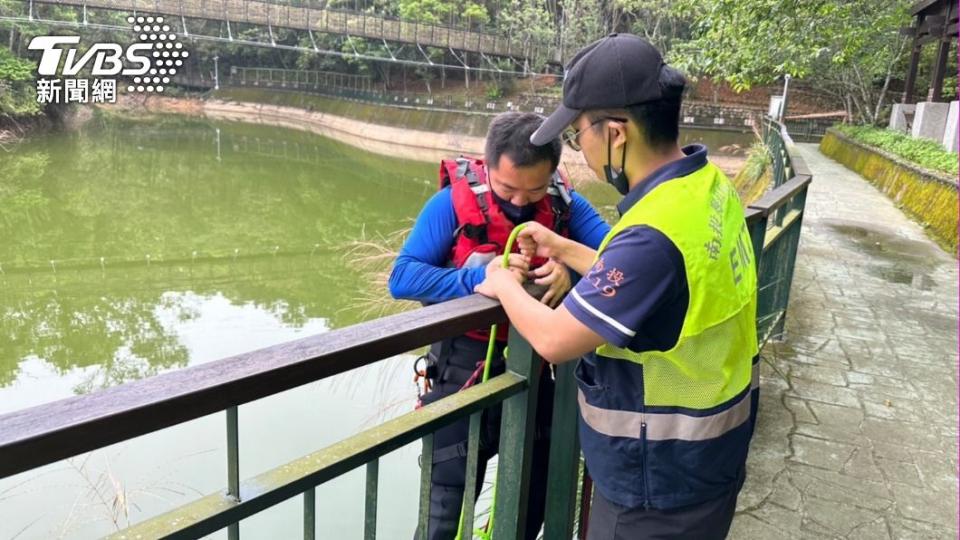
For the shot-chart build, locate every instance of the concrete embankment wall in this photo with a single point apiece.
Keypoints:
(928, 197)
(419, 134)
(377, 138)
(402, 115)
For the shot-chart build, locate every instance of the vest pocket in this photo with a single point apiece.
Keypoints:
(586, 376)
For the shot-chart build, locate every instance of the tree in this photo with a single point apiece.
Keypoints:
(581, 23)
(352, 45)
(659, 21)
(847, 48)
(531, 25)
(426, 11)
(18, 95)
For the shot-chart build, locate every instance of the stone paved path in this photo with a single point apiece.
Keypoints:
(857, 434)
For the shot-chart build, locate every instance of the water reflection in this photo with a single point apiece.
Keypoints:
(102, 227)
(894, 259)
(132, 248)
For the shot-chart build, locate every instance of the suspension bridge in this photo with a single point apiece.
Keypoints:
(488, 48)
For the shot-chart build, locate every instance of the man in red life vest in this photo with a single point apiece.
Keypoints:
(461, 229)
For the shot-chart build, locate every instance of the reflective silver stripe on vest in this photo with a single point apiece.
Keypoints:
(667, 426)
(664, 426)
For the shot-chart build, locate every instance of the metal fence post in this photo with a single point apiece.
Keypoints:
(310, 514)
(790, 261)
(564, 457)
(233, 466)
(758, 232)
(517, 431)
(426, 471)
(370, 506)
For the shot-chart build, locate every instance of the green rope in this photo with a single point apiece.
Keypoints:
(486, 533)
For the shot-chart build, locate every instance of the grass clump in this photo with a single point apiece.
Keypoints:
(756, 176)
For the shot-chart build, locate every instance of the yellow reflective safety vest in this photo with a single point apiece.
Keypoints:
(665, 429)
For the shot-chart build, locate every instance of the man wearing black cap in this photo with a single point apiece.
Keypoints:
(664, 317)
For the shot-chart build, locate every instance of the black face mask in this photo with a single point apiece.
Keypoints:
(516, 214)
(617, 178)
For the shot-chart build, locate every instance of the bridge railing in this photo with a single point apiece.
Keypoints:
(41, 435)
(775, 221)
(775, 137)
(316, 15)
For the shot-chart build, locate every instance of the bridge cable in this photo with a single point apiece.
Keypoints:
(183, 20)
(387, 47)
(489, 61)
(465, 66)
(425, 56)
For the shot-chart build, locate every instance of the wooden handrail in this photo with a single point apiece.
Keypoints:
(777, 197)
(40, 435)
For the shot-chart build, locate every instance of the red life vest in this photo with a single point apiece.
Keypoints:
(482, 228)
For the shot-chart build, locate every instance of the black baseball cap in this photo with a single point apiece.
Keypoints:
(614, 72)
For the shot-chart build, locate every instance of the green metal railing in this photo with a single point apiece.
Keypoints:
(775, 137)
(48, 433)
(775, 222)
(37, 436)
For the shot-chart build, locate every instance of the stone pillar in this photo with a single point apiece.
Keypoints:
(930, 120)
(950, 134)
(901, 116)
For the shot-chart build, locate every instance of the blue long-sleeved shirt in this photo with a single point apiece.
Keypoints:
(421, 272)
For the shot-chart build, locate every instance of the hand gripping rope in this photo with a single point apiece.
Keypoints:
(486, 532)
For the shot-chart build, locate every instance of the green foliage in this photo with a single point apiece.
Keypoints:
(582, 24)
(749, 43)
(475, 14)
(18, 94)
(849, 49)
(950, 86)
(493, 92)
(923, 152)
(440, 11)
(531, 25)
(661, 22)
(425, 11)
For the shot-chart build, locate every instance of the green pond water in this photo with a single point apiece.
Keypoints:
(132, 248)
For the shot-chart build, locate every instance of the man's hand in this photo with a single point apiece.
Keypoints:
(557, 278)
(497, 275)
(518, 264)
(537, 240)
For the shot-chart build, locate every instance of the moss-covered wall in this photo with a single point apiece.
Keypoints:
(927, 197)
(472, 124)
